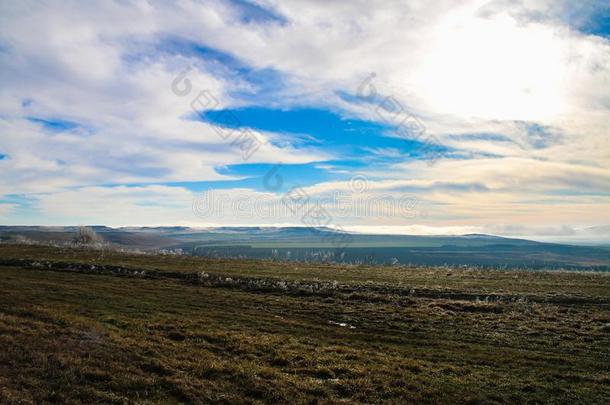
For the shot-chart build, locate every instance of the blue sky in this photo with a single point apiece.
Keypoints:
(493, 115)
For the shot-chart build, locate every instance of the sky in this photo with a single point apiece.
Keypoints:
(413, 116)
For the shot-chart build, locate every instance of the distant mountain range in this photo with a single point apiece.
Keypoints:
(326, 244)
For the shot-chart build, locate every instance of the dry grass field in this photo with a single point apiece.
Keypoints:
(81, 326)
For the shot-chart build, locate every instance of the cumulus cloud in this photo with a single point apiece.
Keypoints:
(517, 92)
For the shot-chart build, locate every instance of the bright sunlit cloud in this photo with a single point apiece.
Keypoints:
(515, 96)
(495, 69)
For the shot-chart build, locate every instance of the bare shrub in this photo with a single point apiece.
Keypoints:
(86, 236)
(23, 240)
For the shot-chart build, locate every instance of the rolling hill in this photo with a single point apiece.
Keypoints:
(326, 244)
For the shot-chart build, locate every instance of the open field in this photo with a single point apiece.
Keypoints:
(93, 326)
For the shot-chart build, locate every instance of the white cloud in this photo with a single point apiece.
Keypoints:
(462, 66)
(5, 209)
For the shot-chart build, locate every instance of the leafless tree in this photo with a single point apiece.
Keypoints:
(86, 236)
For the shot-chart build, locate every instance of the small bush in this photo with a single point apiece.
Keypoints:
(86, 236)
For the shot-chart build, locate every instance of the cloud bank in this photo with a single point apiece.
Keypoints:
(516, 93)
